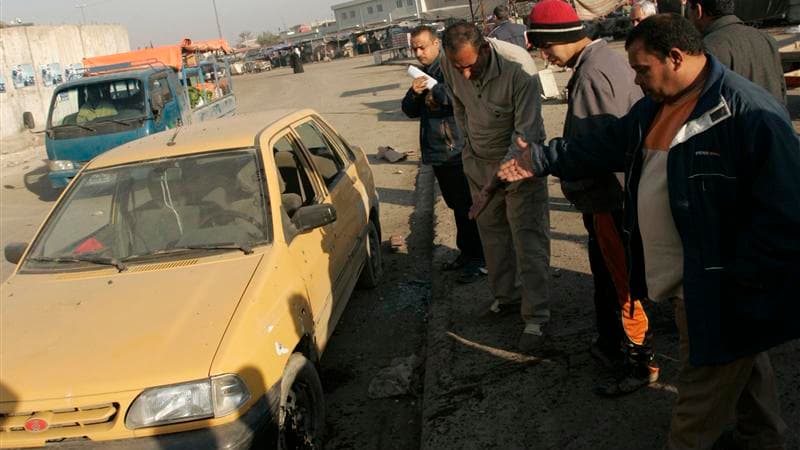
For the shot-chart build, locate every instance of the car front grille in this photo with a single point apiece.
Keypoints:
(62, 423)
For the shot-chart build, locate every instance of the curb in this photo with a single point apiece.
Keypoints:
(437, 345)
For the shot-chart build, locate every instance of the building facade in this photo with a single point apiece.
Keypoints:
(363, 13)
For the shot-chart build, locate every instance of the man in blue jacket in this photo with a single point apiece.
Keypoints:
(441, 142)
(712, 215)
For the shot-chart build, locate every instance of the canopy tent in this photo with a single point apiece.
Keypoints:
(169, 55)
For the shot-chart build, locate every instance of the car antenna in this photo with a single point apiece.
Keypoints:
(171, 140)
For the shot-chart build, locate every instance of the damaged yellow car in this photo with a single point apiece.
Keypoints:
(181, 291)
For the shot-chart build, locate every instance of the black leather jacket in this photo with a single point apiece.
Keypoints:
(440, 139)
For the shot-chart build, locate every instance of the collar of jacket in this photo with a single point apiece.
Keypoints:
(712, 90)
(721, 22)
(496, 63)
(435, 65)
(711, 103)
(587, 51)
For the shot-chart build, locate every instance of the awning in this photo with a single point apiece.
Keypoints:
(210, 45)
(170, 55)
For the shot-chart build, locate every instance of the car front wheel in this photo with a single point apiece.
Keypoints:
(373, 265)
(302, 408)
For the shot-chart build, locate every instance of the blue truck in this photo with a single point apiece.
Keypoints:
(140, 93)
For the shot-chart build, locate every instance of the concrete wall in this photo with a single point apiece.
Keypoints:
(37, 45)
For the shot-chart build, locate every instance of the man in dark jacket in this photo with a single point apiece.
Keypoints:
(441, 142)
(747, 51)
(601, 89)
(506, 30)
(718, 233)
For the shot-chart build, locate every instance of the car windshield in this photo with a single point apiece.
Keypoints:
(208, 202)
(90, 105)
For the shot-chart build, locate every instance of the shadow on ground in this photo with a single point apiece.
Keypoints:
(37, 183)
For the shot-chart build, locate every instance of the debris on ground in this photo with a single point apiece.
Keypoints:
(394, 380)
(390, 154)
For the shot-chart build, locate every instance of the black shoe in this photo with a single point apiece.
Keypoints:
(471, 272)
(609, 357)
(628, 381)
(456, 264)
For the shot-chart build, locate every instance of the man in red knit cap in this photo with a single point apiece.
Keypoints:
(602, 88)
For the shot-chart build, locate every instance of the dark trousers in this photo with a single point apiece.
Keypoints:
(606, 301)
(455, 192)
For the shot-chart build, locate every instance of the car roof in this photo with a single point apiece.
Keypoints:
(238, 131)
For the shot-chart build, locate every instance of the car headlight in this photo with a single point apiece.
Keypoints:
(58, 165)
(202, 399)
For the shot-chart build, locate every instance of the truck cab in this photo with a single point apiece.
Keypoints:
(94, 114)
(128, 96)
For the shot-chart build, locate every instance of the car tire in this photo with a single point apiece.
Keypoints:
(301, 422)
(373, 265)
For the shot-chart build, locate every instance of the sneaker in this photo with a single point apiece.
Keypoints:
(456, 264)
(531, 339)
(628, 381)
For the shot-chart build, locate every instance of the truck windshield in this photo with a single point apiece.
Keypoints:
(94, 106)
(159, 209)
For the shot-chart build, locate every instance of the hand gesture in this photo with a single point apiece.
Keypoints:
(419, 85)
(519, 166)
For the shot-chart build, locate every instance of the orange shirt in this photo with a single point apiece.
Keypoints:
(663, 249)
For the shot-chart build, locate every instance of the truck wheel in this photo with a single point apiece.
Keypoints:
(301, 424)
(373, 266)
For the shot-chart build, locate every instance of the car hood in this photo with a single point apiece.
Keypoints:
(75, 334)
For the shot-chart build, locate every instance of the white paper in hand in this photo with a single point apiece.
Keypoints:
(415, 73)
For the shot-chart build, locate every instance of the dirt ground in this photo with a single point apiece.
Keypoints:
(471, 390)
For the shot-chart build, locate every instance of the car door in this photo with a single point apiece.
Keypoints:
(312, 251)
(338, 175)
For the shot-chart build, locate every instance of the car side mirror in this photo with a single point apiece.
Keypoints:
(313, 216)
(14, 251)
(27, 120)
(157, 101)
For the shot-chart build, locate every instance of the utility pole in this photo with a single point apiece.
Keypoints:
(216, 15)
(82, 7)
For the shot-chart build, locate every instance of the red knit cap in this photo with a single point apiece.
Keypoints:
(554, 22)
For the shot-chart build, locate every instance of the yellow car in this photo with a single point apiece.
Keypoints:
(183, 288)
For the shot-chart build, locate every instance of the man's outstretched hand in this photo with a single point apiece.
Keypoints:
(519, 166)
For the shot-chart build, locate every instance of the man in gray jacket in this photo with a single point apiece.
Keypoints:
(601, 89)
(496, 99)
(747, 51)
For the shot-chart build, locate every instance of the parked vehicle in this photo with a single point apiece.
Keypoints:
(183, 288)
(127, 96)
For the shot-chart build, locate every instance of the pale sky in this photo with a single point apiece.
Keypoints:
(168, 21)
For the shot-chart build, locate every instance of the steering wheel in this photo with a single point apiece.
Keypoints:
(231, 215)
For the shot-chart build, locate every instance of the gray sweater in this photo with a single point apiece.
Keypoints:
(747, 51)
(601, 89)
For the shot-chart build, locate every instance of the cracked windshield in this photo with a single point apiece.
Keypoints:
(156, 208)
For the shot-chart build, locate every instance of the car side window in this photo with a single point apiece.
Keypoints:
(159, 83)
(344, 149)
(326, 160)
(296, 183)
